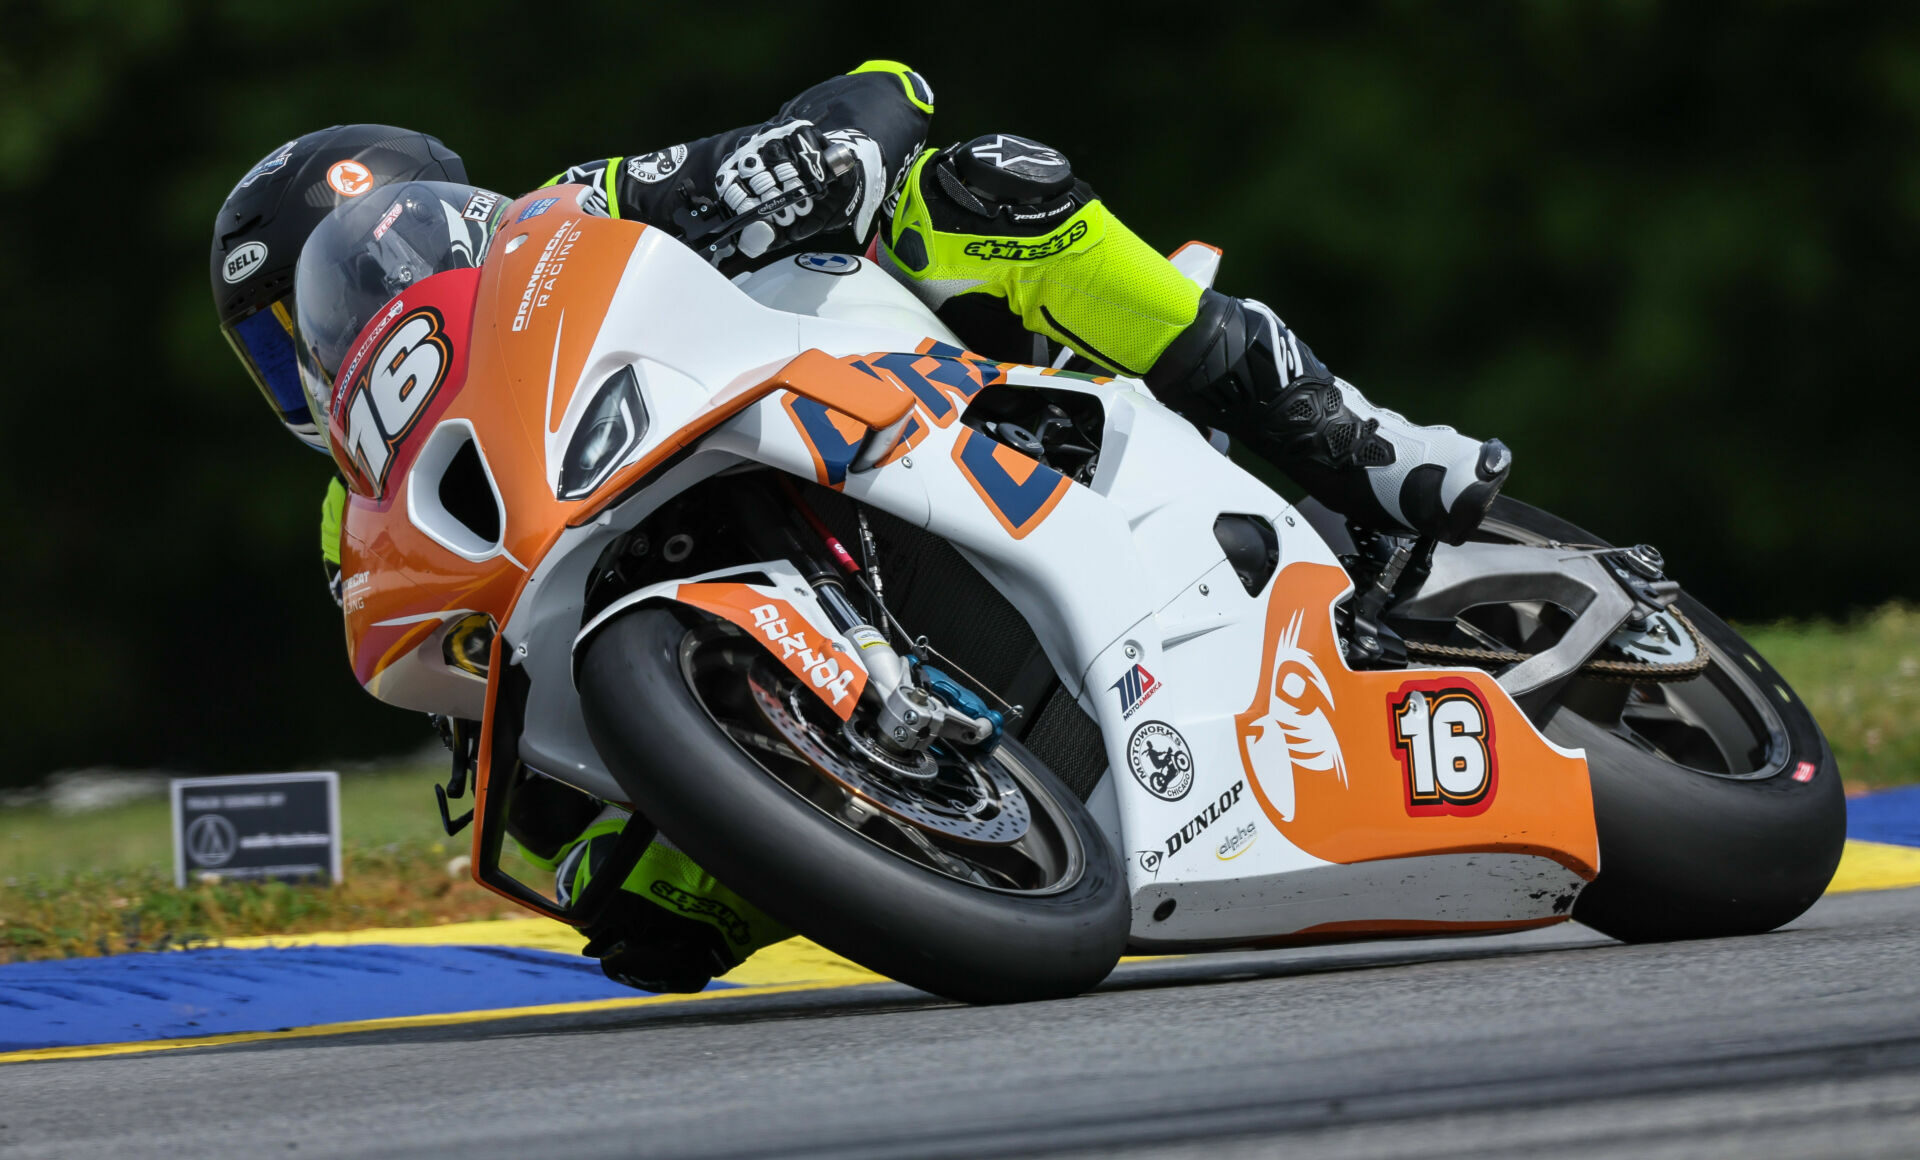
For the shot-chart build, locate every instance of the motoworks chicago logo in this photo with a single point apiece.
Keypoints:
(1160, 760)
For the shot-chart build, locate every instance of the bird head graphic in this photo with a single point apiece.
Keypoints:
(1295, 732)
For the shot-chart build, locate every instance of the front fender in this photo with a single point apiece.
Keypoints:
(772, 604)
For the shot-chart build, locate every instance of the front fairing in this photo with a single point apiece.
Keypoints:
(415, 564)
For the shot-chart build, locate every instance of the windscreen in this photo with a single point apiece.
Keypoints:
(371, 249)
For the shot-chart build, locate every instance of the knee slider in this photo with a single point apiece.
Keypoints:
(1207, 354)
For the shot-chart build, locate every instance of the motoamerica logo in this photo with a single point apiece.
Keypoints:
(1027, 251)
(1150, 860)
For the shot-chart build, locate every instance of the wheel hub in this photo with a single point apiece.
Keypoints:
(947, 794)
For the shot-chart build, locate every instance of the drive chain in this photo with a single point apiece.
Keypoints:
(1604, 670)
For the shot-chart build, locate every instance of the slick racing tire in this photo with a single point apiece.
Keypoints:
(689, 715)
(1717, 800)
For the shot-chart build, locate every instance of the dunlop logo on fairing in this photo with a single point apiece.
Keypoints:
(1150, 860)
(824, 671)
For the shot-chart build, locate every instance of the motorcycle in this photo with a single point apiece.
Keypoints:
(982, 674)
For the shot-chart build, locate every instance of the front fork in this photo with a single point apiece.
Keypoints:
(911, 714)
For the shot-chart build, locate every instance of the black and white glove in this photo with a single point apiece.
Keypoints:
(788, 164)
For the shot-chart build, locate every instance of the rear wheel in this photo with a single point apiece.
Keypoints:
(1717, 799)
(978, 877)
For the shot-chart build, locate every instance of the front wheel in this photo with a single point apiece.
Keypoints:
(979, 878)
(1717, 800)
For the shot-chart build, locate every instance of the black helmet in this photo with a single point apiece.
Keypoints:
(259, 232)
(370, 250)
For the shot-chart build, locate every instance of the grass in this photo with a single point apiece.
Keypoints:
(1862, 681)
(102, 882)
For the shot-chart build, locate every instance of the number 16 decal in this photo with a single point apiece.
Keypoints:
(1444, 737)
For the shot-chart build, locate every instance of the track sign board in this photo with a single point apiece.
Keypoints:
(253, 827)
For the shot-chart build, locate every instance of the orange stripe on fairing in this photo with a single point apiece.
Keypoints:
(502, 392)
(1018, 467)
(813, 373)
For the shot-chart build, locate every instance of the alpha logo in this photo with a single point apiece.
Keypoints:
(1236, 843)
(535, 209)
(1150, 860)
(1135, 688)
(1008, 249)
(1444, 736)
(713, 910)
(1295, 732)
(244, 260)
(350, 178)
(827, 263)
(273, 162)
(1160, 760)
(653, 168)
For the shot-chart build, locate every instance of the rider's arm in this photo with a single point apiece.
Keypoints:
(332, 511)
(881, 102)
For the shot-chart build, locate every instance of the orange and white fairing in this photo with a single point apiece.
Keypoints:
(1257, 788)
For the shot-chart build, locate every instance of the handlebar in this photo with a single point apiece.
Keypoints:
(713, 235)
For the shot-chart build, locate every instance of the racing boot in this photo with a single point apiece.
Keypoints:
(1238, 367)
(672, 927)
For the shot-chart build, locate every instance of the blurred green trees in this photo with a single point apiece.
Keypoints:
(1664, 250)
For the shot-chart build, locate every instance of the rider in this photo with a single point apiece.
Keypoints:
(1005, 243)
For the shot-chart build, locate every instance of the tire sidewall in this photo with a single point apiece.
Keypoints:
(816, 876)
(1689, 855)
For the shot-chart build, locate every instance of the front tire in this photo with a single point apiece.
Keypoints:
(656, 721)
(1694, 843)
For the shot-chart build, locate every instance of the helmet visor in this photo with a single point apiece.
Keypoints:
(263, 341)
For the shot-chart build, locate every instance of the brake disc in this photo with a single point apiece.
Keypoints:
(963, 799)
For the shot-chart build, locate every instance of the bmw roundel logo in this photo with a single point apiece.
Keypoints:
(828, 263)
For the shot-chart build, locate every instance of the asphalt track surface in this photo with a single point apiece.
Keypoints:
(1558, 1043)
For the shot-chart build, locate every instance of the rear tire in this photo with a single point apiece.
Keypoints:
(812, 872)
(1687, 854)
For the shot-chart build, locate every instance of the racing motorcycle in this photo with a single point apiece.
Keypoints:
(982, 674)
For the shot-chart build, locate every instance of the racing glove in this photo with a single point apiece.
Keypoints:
(784, 164)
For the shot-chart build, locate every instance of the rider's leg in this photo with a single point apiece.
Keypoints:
(1000, 226)
(672, 926)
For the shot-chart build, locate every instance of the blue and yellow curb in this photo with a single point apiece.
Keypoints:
(281, 987)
